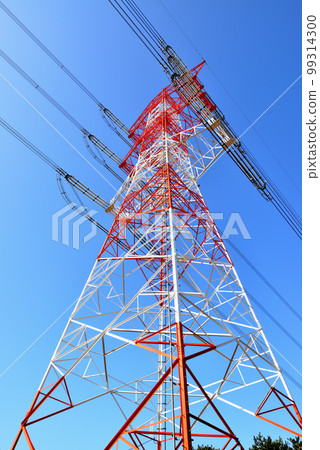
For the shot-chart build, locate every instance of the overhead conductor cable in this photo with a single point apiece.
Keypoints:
(106, 113)
(97, 143)
(178, 72)
(71, 180)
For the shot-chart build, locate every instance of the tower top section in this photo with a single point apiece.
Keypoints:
(170, 113)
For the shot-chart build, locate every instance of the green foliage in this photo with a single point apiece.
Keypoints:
(266, 443)
(296, 443)
(205, 447)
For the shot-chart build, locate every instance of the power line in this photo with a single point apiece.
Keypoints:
(142, 36)
(229, 94)
(60, 108)
(36, 340)
(57, 131)
(189, 89)
(70, 178)
(45, 94)
(106, 112)
(275, 321)
(263, 278)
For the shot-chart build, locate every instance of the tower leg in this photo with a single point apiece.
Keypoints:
(186, 431)
(17, 438)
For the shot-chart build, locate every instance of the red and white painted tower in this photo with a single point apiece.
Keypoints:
(163, 323)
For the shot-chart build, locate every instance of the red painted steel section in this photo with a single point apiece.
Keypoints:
(26, 434)
(33, 408)
(280, 396)
(184, 401)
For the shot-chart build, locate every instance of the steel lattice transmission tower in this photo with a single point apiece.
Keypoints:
(164, 300)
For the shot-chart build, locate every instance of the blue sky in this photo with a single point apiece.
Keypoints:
(254, 50)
